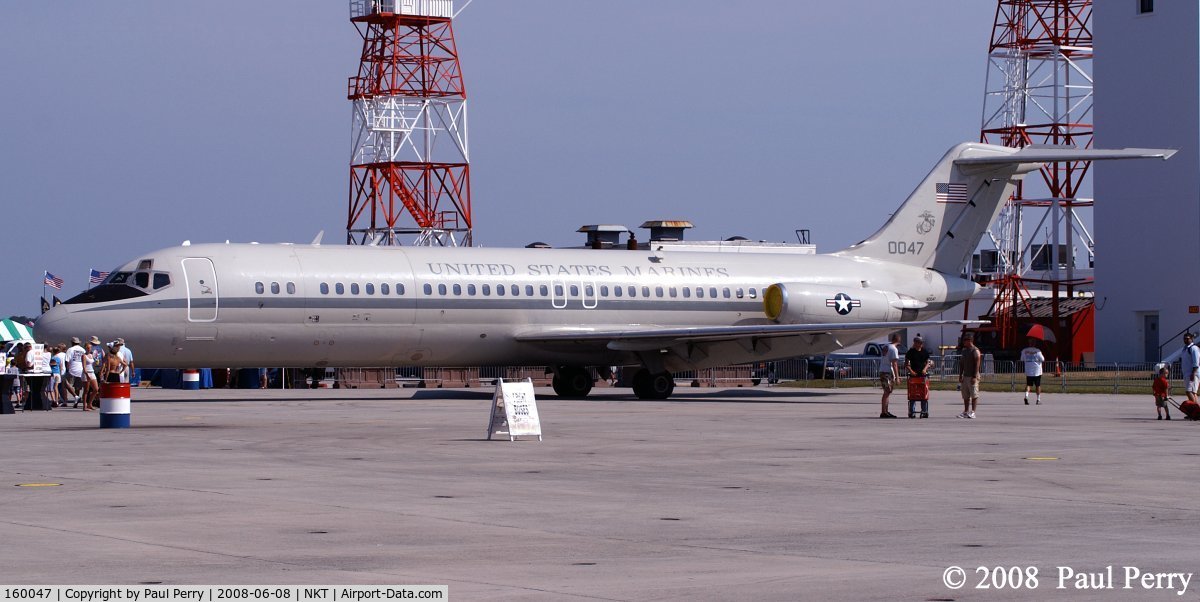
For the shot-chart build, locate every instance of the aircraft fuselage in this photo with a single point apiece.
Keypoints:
(229, 305)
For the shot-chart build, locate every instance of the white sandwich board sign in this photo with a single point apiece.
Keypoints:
(514, 411)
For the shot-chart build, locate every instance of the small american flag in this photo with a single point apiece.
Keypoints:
(96, 277)
(53, 281)
(946, 192)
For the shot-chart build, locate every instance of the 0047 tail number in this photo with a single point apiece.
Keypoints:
(900, 247)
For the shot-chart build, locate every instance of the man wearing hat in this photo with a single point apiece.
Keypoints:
(74, 378)
(127, 357)
(968, 375)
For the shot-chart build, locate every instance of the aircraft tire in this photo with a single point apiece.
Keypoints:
(572, 382)
(653, 386)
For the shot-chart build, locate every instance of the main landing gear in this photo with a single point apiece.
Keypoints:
(653, 386)
(572, 382)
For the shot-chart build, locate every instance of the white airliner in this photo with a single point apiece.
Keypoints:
(238, 305)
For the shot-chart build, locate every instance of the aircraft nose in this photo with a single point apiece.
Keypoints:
(54, 325)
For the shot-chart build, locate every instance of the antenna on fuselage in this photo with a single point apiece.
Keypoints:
(317, 240)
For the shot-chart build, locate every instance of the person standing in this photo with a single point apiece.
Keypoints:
(968, 375)
(76, 383)
(917, 363)
(1191, 366)
(1162, 390)
(114, 367)
(24, 365)
(91, 387)
(55, 376)
(64, 394)
(889, 370)
(127, 357)
(1033, 358)
(99, 353)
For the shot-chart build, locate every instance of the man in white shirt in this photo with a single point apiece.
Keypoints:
(889, 370)
(1191, 366)
(74, 379)
(1033, 358)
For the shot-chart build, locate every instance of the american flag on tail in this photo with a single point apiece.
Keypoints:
(946, 192)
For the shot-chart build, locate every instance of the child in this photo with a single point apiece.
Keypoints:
(1162, 389)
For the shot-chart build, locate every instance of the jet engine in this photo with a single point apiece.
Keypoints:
(800, 303)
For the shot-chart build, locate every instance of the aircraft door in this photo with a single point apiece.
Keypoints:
(202, 296)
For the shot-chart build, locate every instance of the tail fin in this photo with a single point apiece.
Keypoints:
(941, 222)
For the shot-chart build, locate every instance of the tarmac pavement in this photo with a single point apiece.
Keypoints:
(752, 494)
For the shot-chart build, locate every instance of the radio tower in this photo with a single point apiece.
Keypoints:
(1039, 91)
(409, 172)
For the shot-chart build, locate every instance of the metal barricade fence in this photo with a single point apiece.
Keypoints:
(1004, 375)
(1061, 377)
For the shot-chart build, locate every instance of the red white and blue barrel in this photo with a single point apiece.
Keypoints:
(114, 405)
(191, 380)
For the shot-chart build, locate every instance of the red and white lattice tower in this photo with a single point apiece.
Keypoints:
(1039, 91)
(410, 169)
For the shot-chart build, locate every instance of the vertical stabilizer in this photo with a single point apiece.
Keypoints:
(941, 222)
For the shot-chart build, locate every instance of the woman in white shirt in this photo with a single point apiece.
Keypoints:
(91, 388)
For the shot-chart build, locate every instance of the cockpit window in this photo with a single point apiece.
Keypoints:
(106, 292)
(124, 285)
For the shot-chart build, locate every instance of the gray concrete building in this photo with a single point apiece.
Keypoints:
(1147, 217)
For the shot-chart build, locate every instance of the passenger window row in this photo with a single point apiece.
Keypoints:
(260, 288)
(589, 291)
(514, 290)
(369, 288)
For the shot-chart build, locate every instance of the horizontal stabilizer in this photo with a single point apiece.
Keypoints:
(1054, 154)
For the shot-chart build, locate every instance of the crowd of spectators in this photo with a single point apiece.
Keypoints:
(69, 375)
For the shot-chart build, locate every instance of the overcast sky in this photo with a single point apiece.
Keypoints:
(131, 126)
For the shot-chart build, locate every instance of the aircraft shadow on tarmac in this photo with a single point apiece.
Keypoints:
(264, 399)
(681, 395)
(135, 426)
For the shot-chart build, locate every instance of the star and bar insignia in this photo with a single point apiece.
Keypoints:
(842, 303)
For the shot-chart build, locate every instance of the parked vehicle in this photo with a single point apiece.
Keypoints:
(819, 367)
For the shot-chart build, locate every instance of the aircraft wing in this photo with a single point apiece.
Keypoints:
(646, 337)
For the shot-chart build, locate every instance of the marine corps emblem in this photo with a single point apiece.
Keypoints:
(925, 226)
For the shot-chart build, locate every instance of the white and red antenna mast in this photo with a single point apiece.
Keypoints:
(1039, 91)
(410, 166)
